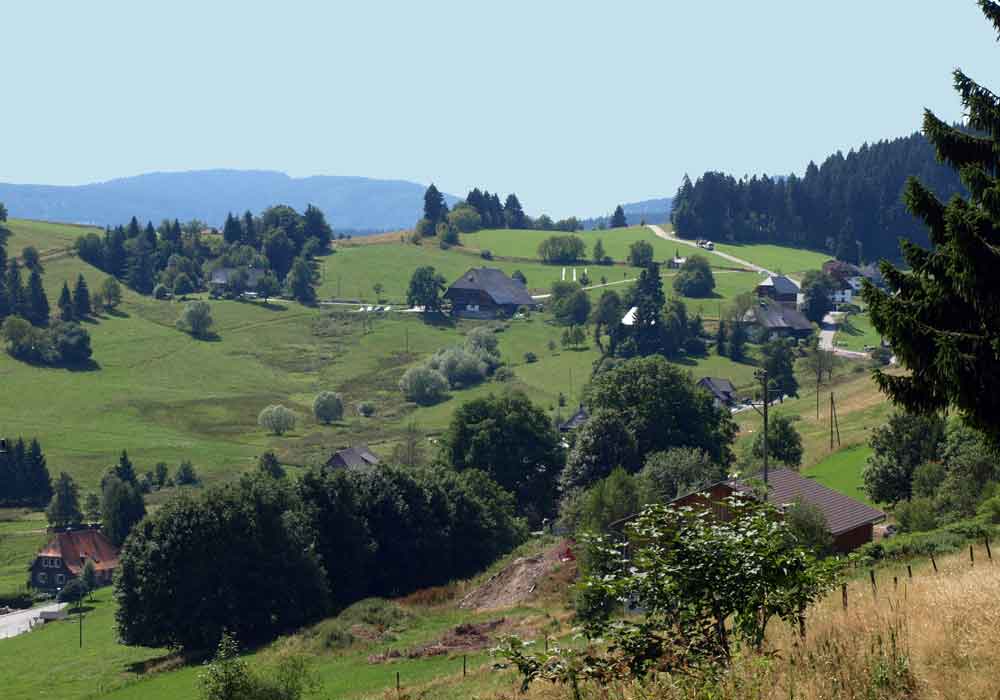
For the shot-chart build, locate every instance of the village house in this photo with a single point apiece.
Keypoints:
(352, 457)
(850, 522)
(221, 277)
(722, 390)
(65, 555)
(676, 262)
(780, 289)
(847, 280)
(486, 292)
(779, 320)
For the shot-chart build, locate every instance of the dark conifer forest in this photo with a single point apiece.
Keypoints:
(849, 205)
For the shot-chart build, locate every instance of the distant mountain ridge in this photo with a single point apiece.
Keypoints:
(652, 211)
(350, 203)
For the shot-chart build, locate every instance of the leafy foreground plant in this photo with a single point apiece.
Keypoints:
(704, 589)
(228, 677)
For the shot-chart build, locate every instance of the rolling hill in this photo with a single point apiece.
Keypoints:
(350, 203)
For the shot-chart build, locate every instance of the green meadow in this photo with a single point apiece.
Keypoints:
(857, 332)
(779, 259)
(46, 237)
(524, 243)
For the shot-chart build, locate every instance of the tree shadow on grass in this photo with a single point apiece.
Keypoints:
(211, 337)
(438, 320)
(117, 313)
(270, 306)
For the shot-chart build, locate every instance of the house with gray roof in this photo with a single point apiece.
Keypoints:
(486, 292)
(780, 289)
(356, 457)
(780, 320)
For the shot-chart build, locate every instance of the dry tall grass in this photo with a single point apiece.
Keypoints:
(935, 636)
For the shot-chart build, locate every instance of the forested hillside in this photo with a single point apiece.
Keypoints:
(850, 205)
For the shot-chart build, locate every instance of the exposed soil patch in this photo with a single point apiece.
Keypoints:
(519, 581)
(461, 639)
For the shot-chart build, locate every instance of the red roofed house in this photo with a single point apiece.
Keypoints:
(65, 555)
(850, 521)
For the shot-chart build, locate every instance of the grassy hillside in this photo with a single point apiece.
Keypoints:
(524, 243)
(789, 261)
(46, 237)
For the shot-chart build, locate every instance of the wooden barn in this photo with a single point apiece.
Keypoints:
(851, 522)
(486, 292)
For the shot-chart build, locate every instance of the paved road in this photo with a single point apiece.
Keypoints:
(20, 622)
(828, 330)
(731, 258)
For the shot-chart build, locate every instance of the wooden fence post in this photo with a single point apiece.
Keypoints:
(934, 563)
(895, 583)
(843, 594)
(397, 682)
(909, 571)
(871, 575)
(972, 556)
(464, 667)
(989, 554)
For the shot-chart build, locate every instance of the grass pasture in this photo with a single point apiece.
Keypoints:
(781, 259)
(856, 332)
(842, 471)
(47, 238)
(524, 243)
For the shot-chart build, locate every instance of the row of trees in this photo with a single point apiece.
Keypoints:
(850, 205)
(24, 475)
(316, 544)
(479, 210)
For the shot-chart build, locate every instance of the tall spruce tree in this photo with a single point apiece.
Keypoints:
(64, 508)
(513, 213)
(647, 327)
(434, 207)
(67, 310)
(618, 218)
(942, 317)
(37, 303)
(81, 298)
(15, 288)
(232, 232)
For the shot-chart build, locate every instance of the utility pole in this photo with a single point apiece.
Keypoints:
(761, 375)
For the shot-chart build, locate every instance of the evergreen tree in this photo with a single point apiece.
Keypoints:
(81, 298)
(64, 508)
(942, 316)
(618, 218)
(778, 358)
(133, 229)
(16, 296)
(721, 336)
(249, 230)
(5, 309)
(37, 303)
(39, 485)
(314, 226)
(647, 329)
(149, 236)
(67, 310)
(121, 508)
(92, 508)
(115, 255)
(232, 232)
(435, 208)
(512, 212)
(599, 254)
(738, 343)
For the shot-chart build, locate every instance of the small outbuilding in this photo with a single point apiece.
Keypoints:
(722, 390)
(486, 292)
(355, 457)
(780, 289)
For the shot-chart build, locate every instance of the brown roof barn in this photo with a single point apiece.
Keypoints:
(352, 457)
(486, 292)
(64, 556)
(849, 520)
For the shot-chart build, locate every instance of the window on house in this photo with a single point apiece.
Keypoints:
(42, 577)
(60, 579)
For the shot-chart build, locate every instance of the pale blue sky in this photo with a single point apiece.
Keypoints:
(574, 105)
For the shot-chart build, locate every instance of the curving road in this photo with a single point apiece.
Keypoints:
(660, 233)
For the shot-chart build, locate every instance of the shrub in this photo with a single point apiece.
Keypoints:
(530, 357)
(423, 385)
(459, 366)
(277, 419)
(990, 510)
(503, 374)
(916, 515)
(182, 284)
(562, 249)
(196, 319)
(486, 255)
(328, 407)
(366, 408)
(640, 254)
(161, 292)
(186, 475)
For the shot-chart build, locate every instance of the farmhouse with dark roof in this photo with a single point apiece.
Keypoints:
(485, 292)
